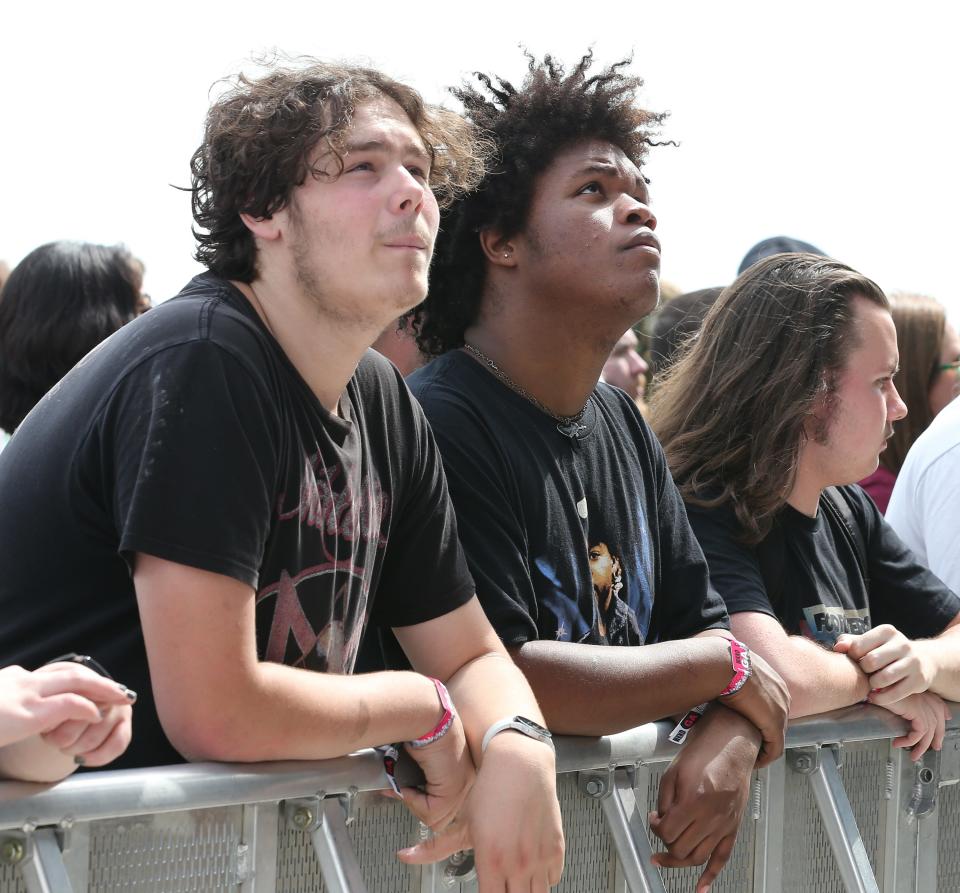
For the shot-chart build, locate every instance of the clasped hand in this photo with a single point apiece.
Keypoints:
(507, 812)
(77, 711)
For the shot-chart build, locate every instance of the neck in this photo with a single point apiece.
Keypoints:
(805, 495)
(324, 351)
(552, 360)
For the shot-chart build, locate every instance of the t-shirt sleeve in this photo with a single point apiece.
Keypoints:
(903, 592)
(487, 504)
(734, 569)
(924, 512)
(686, 602)
(424, 573)
(188, 443)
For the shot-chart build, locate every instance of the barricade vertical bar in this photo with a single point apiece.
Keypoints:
(260, 831)
(626, 822)
(928, 833)
(900, 836)
(768, 843)
(334, 849)
(840, 825)
(43, 870)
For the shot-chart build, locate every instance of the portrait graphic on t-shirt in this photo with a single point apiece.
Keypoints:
(824, 623)
(316, 613)
(604, 599)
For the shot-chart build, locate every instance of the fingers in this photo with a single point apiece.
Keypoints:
(438, 847)
(114, 744)
(62, 709)
(772, 748)
(718, 859)
(435, 812)
(858, 646)
(54, 679)
(667, 793)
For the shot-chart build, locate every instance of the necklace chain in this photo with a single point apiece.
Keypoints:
(568, 425)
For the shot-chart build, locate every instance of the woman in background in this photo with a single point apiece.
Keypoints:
(929, 378)
(59, 303)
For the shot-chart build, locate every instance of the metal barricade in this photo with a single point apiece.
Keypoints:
(843, 811)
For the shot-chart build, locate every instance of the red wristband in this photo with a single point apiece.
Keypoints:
(442, 727)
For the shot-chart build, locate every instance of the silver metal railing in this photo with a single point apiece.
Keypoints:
(843, 811)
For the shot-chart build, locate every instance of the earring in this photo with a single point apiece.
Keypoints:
(506, 254)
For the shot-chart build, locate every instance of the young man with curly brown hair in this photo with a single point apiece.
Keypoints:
(538, 273)
(227, 492)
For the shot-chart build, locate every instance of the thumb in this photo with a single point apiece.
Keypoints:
(438, 847)
(843, 643)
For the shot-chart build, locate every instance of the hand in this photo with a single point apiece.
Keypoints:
(511, 820)
(53, 696)
(704, 792)
(896, 666)
(927, 715)
(765, 701)
(449, 773)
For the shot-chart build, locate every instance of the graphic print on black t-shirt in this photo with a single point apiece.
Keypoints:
(319, 612)
(575, 541)
(614, 607)
(189, 436)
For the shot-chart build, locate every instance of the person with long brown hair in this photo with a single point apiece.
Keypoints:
(784, 399)
(928, 379)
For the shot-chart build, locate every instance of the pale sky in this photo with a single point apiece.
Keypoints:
(835, 123)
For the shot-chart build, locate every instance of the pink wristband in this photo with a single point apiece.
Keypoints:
(740, 659)
(442, 727)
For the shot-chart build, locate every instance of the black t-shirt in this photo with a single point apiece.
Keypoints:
(582, 541)
(807, 574)
(188, 435)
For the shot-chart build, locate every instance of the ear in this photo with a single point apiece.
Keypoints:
(497, 249)
(265, 228)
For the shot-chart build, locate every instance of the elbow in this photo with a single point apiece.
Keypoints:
(200, 735)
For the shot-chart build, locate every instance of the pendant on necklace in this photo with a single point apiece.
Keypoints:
(573, 430)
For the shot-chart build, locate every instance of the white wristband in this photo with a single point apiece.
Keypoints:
(519, 724)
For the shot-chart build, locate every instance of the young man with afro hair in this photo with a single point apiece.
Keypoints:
(537, 273)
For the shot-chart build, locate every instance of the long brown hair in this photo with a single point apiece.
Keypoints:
(733, 409)
(920, 323)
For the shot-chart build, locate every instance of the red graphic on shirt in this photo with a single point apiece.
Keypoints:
(320, 610)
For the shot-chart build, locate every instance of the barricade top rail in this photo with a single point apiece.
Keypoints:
(117, 793)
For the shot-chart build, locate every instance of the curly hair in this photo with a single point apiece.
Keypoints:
(732, 412)
(261, 134)
(529, 128)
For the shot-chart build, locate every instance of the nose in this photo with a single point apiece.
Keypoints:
(896, 408)
(634, 212)
(408, 193)
(638, 365)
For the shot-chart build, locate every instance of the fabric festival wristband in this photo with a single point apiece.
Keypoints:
(442, 727)
(742, 671)
(682, 728)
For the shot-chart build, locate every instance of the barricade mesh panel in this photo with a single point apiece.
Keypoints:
(181, 852)
(736, 877)
(808, 860)
(381, 827)
(589, 863)
(948, 847)
(10, 881)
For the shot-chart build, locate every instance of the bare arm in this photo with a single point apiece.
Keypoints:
(599, 690)
(818, 680)
(218, 701)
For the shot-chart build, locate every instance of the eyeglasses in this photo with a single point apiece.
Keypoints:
(942, 367)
